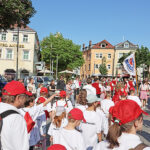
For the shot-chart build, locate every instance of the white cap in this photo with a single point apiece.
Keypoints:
(59, 110)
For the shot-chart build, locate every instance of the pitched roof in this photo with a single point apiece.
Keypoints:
(119, 44)
(108, 45)
(23, 28)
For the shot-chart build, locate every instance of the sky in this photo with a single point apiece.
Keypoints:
(95, 20)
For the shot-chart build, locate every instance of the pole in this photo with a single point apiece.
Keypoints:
(56, 66)
(52, 68)
(17, 53)
(136, 76)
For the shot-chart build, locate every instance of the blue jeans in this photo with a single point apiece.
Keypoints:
(89, 148)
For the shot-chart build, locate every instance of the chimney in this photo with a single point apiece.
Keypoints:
(83, 47)
(90, 44)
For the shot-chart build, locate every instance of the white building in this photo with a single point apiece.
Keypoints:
(28, 52)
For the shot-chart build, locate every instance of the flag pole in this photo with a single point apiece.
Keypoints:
(136, 75)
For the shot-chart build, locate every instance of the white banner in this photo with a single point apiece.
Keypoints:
(129, 65)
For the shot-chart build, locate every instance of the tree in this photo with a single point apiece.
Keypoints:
(15, 12)
(69, 54)
(102, 68)
(142, 56)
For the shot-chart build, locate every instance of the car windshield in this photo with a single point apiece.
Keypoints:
(46, 79)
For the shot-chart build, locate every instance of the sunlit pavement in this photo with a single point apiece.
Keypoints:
(145, 133)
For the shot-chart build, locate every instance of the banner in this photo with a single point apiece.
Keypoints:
(129, 65)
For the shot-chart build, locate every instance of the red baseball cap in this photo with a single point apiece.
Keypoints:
(41, 100)
(126, 111)
(62, 94)
(76, 114)
(44, 90)
(14, 88)
(56, 147)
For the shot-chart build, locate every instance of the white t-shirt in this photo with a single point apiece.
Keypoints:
(90, 89)
(54, 131)
(76, 82)
(81, 107)
(71, 139)
(136, 99)
(34, 112)
(91, 128)
(14, 134)
(104, 120)
(63, 103)
(105, 105)
(127, 141)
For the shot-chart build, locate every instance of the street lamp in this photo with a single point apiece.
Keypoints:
(17, 53)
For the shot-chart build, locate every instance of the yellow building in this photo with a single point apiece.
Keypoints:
(120, 50)
(93, 55)
(28, 52)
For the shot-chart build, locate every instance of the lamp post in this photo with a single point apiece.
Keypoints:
(17, 53)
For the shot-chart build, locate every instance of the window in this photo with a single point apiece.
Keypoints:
(9, 54)
(25, 55)
(25, 38)
(0, 53)
(89, 56)
(3, 37)
(100, 55)
(109, 55)
(15, 38)
(89, 66)
(120, 55)
(103, 45)
(108, 67)
(96, 66)
(126, 45)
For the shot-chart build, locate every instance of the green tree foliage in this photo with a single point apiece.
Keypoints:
(142, 56)
(102, 69)
(15, 12)
(69, 54)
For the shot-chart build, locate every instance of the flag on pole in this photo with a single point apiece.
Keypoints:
(129, 65)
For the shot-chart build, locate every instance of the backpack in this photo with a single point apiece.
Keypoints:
(139, 147)
(2, 116)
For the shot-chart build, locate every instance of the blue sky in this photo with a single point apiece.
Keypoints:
(96, 20)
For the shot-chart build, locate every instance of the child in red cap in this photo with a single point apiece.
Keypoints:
(56, 147)
(63, 101)
(31, 113)
(133, 97)
(69, 136)
(128, 119)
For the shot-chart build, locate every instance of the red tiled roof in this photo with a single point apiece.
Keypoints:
(108, 45)
(23, 28)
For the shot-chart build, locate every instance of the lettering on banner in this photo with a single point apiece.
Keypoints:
(11, 45)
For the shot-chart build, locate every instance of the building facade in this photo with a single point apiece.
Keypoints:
(93, 56)
(28, 51)
(120, 50)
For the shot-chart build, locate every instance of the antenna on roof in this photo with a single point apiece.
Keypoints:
(123, 38)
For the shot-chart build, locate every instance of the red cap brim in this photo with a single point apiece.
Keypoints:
(145, 113)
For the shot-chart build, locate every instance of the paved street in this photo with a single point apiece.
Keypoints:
(145, 133)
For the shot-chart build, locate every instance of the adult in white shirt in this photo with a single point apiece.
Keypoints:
(133, 97)
(89, 88)
(31, 86)
(122, 134)
(14, 134)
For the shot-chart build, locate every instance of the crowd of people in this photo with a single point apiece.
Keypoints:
(102, 114)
